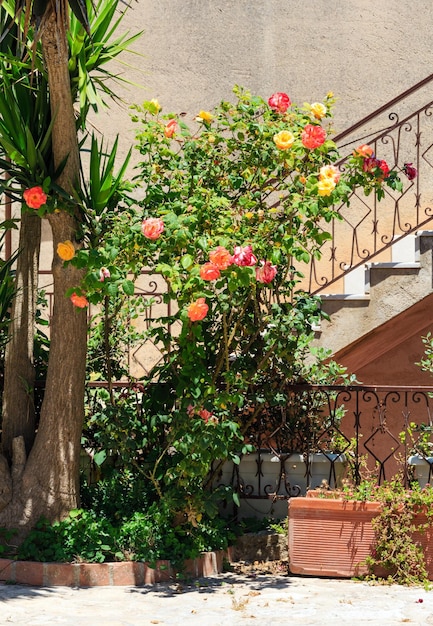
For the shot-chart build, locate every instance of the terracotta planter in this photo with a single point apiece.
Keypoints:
(333, 537)
(330, 537)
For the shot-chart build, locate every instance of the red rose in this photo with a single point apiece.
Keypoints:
(410, 171)
(313, 136)
(279, 102)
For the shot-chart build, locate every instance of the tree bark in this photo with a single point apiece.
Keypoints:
(18, 393)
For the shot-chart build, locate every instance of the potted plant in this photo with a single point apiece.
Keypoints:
(373, 531)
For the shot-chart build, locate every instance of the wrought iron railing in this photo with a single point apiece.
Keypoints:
(332, 433)
(368, 229)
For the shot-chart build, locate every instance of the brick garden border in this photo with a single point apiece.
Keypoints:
(125, 573)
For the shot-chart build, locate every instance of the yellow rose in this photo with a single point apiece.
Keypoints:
(204, 116)
(326, 187)
(284, 140)
(156, 105)
(318, 110)
(66, 250)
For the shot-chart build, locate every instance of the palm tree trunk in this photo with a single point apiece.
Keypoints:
(46, 484)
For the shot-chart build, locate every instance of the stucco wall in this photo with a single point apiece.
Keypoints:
(194, 51)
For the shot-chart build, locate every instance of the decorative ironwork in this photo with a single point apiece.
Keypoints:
(367, 229)
(372, 431)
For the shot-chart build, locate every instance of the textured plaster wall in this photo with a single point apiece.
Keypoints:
(194, 51)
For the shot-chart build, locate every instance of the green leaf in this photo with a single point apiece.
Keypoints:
(128, 287)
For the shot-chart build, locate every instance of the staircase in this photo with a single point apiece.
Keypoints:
(377, 292)
(378, 263)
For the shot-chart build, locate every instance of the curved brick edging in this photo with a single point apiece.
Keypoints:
(125, 573)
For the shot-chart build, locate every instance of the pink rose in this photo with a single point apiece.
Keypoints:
(244, 256)
(209, 271)
(152, 227)
(266, 273)
(279, 102)
(104, 273)
(313, 136)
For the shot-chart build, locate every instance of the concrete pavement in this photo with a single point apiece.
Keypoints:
(228, 600)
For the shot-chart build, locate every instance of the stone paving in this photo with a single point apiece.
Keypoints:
(227, 599)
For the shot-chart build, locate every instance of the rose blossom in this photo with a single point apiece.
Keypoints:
(313, 136)
(34, 197)
(284, 140)
(371, 164)
(104, 273)
(279, 102)
(410, 171)
(220, 257)
(170, 128)
(66, 250)
(152, 227)
(364, 151)
(204, 116)
(266, 273)
(325, 187)
(318, 110)
(209, 271)
(205, 415)
(198, 310)
(329, 171)
(79, 301)
(244, 256)
(383, 165)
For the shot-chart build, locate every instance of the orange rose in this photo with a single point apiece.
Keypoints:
(364, 151)
(198, 310)
(66, 250)
(313, 136)
(79, 301)
(34, 197)
(170, 128)
(284, 140)
(220, 257)
(209, 271)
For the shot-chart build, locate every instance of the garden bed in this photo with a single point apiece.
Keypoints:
(125, 573)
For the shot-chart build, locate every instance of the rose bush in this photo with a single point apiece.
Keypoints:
(231, 209)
